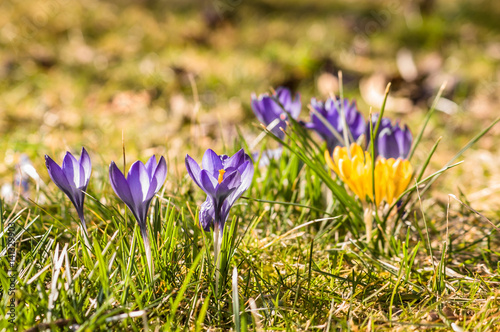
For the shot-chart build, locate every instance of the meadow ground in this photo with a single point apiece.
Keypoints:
(175, 77)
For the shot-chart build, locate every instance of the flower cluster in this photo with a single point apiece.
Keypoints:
(223, 179)
(328, 120)
(338, 122)
(392, 176)
(137, 191)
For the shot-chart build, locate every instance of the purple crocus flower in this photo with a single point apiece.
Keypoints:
(72, 178)
(392, 141)
(224, 179)
(137, 191)
(330, 110)
(276, 107)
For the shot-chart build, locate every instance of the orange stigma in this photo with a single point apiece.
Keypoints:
(221, 175)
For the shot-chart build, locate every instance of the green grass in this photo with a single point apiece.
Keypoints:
(291, 254)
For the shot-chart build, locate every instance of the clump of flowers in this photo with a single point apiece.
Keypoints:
(390, 176)
(376, 180)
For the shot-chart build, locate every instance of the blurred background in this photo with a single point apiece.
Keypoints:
(176, 76)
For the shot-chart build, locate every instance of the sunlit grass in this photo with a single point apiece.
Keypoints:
(296, 257)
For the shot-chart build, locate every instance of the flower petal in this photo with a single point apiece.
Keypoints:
(138, 182)
(357, 126)
(397, 141)
(404, 140)
(296, 107)
(329, 111)
(257, 108)
(212, 163)
(120, 185)
(225, 191)
(207, 214)
(74, 194)
(246, 171)
(284, 96)
(235, 160)
(57, 175)
(208, 183)
(158, 178)
(151, 166)
(193, 170)
(87, 166)
(161, 172)
(230, 183)
(387, 144)
(268, 111)
(292, 107)
(271, 109)
(330, 162)
(74, 172)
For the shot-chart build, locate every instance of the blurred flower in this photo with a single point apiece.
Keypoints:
(392, 176)
(276, 108)
(24, 171)
(267, 155)
(224, 179)
(72, 178)
(330, 110)
(24, 176)
(391, 141)
(137, 191)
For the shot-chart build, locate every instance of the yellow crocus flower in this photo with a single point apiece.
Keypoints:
(392, 176)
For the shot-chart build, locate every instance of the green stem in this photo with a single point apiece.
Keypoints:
(147, 249)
